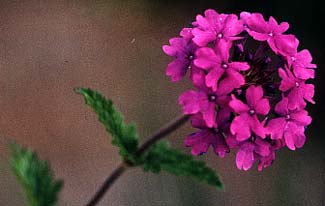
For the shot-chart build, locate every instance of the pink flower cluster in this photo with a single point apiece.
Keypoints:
(250, 86)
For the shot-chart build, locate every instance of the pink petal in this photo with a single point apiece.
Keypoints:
(197, 121)
(245, 157)
(202, 22)
(303, 72)
(240, 127)
(262, 147)
(206, 58)
(294, 136)
(212, 15)
(220, 147)
(256, 126)
(192, 101)
(266, 161)
(176, 69)
(223, 116)
(253, 95)
(301, 118)
(239, 66)
(295, 99)
(258, 36)
(209, 115)
(284, 26)
(213, 77)
(276, 127)
(222, 50)
(169, 50)
(232, 26)
(304, 57)
(308, 92)
(237, 105)
(202, 38)
(287, 45)
(199, 142)
(281, 107)
(262, 107)
(288, 80)
(256, 23)
(232, 81)
(186, 33)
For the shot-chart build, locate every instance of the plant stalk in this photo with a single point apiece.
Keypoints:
(160, 134)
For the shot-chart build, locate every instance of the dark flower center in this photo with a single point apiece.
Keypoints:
(297, 84)
(212, 98)
(287, 117)
(190, 57)
(251, 112)
(224, 65)
(216, 130)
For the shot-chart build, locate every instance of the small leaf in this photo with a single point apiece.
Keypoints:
(162, 157)
(35, 176)
(124, 136)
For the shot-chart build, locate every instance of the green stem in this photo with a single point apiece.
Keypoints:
(161, 133)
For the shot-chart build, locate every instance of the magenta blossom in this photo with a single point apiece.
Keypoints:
(300, 61)
(262, 30)
(257, 150)
(250, 86)
(298, 91)
(217, 63)
(194, 102)
(249, 152)
(206, 137)
(203, 102)
(216, 27)
(247, 121)
(290, 125)
(182, 49)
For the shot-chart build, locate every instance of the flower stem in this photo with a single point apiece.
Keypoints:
(161, 133)
(107, 184)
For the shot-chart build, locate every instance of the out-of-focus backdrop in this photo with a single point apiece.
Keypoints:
(47, 48)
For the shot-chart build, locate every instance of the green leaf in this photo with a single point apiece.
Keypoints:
(35, 176)
(124, 136)
(162, 157)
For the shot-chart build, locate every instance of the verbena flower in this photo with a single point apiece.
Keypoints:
(182, 48)
(290, 125)
(216, 61)
(216, 27)
(251, 86)
(247, 120)
(201, 140)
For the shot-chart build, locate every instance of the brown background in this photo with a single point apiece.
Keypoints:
(47, 48)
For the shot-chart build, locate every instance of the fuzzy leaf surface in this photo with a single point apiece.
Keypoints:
(35, 176)
(162, 157)
(124, 136)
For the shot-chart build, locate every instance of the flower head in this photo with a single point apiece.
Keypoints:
(250, 86)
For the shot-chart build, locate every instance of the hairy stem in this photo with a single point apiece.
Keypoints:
(161, 133)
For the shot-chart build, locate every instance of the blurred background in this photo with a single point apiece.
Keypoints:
(47, 48)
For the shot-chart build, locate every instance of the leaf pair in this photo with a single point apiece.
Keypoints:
(158, 157)
(42, 189)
